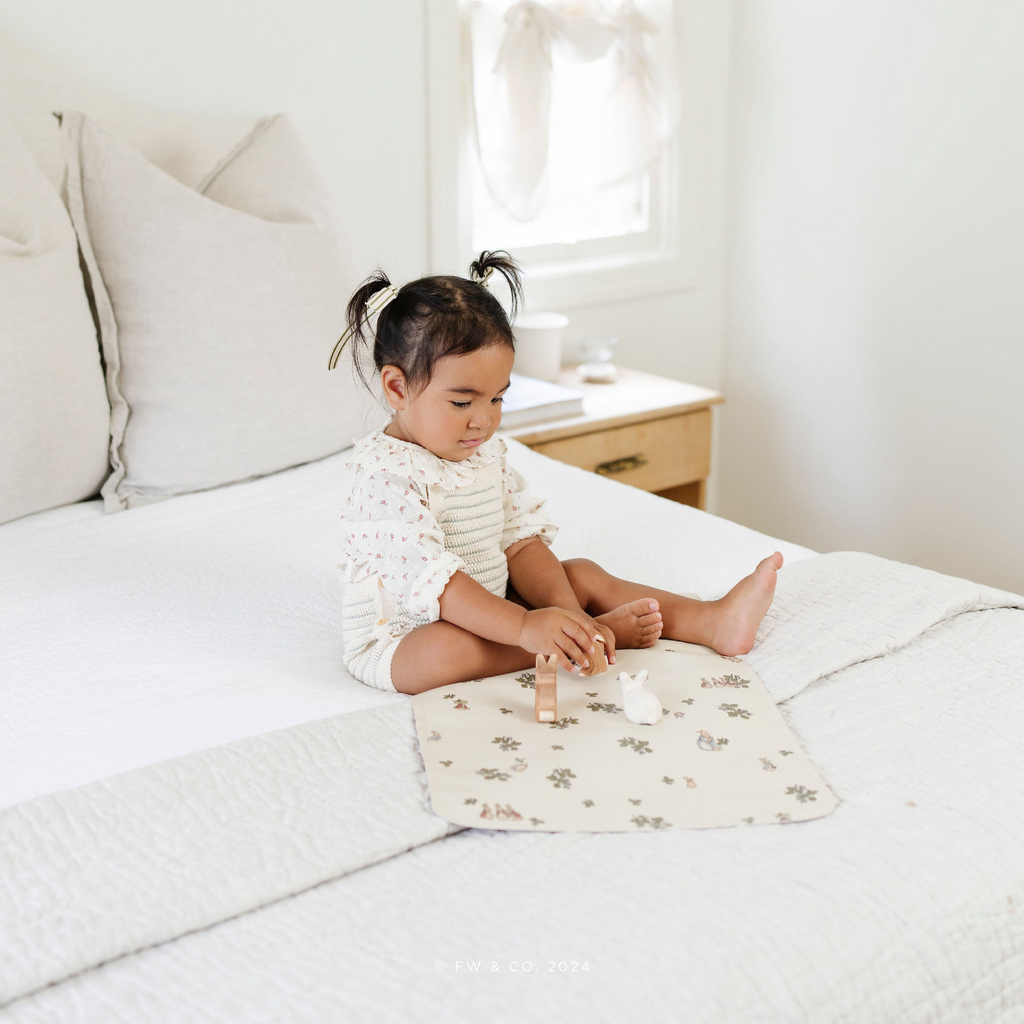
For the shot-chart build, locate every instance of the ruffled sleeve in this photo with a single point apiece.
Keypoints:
(390, 531)
(525, 516)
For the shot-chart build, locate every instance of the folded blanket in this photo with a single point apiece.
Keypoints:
(95, 873)
(837, 610)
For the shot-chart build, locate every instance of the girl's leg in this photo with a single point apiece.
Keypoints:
(727, 625)
(442, 653)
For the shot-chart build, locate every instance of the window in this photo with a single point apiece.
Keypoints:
(582, 235)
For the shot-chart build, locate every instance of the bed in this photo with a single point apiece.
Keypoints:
(204, 817)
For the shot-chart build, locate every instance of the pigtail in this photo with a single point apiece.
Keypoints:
(368, 299)
(482, 268)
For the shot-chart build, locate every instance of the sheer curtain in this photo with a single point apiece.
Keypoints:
(627, 122)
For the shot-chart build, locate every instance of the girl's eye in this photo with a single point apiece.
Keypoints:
(499, 399)
(461, 405)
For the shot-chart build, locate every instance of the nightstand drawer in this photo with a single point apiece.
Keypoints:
(653, 456)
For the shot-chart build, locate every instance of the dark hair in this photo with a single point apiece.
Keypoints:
(432, 318)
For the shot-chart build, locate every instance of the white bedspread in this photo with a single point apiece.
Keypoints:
(901, 905)
(149, 634)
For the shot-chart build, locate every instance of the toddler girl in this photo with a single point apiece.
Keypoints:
(449, 568)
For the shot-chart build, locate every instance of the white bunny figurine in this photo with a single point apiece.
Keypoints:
(640, 705)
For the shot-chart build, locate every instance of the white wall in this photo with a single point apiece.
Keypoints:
(349, 74)
(352, 75)
(874, 353)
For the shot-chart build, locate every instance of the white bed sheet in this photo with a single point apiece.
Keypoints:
(149, 634)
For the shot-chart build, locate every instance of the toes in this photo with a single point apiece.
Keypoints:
(646, 621)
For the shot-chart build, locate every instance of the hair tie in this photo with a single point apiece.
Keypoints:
(373, 308)
(485, 278)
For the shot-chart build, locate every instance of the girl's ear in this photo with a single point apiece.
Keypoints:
(394, 386)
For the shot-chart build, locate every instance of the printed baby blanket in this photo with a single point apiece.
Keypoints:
(720, 755)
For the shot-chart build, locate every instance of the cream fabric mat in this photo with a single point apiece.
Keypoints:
(721, 755)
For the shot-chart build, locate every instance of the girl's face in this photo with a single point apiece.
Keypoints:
(459, 407)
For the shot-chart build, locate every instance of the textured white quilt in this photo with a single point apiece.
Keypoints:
(903, 904)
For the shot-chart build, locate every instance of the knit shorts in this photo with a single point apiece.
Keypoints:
(375, 624)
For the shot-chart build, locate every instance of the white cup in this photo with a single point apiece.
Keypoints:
(539, 344)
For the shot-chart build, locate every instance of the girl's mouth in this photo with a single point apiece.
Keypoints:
(472, 442)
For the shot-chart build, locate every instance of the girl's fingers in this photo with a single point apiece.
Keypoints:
(565, 661)
(609, 644)
(572, 650)
(582, 633)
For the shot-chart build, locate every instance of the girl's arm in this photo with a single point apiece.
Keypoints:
(538, 575)
(567, 634)
(539, 579)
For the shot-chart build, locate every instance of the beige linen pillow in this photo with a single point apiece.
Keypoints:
(217, 308)
(53, 406)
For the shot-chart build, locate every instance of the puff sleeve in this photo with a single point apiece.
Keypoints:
(525, 515)
(389, 531)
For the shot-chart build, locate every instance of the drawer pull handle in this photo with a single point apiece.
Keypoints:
(620, 465)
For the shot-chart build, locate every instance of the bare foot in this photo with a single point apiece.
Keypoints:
(637, 624)
(740, 612)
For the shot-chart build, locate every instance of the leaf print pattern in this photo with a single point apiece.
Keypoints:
(610, 709)
(640, 746)
(561, 777)
(507, 743)
(667, 780)
(802, 793)
(536, 821)
(734, 710)
(528, 680)
(564, 723)
(493, 773)
(642, 821)
(588, 803)
(635, 803)
(505, 711)
(727, 680)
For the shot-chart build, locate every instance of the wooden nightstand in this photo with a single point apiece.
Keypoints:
(651, 432)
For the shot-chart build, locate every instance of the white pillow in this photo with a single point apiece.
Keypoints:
(217, 308)
(53, 406)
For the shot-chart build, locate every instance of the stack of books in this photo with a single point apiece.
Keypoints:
(529, 400)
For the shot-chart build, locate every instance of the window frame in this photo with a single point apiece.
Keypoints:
(673, 265)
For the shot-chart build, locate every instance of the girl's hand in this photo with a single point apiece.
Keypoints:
(569, 635)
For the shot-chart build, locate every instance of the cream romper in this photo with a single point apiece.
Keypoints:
(411, 521)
